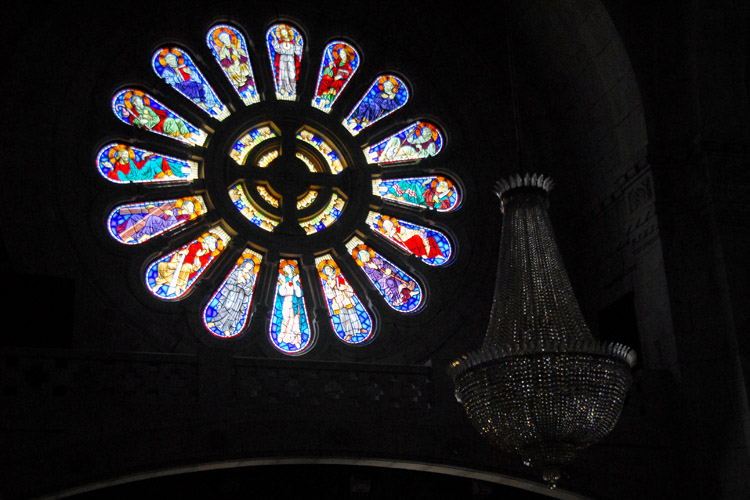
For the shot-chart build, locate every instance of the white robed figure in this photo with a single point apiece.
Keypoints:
(289, 292)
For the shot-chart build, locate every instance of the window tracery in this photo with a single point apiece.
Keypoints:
(288, 178)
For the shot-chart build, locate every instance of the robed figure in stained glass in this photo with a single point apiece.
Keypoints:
(340, 295)
(289, 294)
(340, 61)
(384, 101)
(179, 271)
(287, 57)
(423, 142)
(140, 114)
(237, 290)
(124, 165)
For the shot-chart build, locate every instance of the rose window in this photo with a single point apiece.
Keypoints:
(237, 158)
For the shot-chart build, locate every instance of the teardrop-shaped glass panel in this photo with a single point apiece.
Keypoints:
(433, 192)
(124, 164)
(430, 245)
(400, 291)
(136, 223)
(338, 65)
(140, 110)
(230, 51)
(175, 67)
(172, 276)
(285, 47)
(386, 94)
(349, 318)
(289, 329)
(227, 312)
(417, 141)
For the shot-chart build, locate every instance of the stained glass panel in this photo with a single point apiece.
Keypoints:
(175, 67)
(328, 216)
(433, 192)
(289, 329)
(124, 164)
(400, 291)
(386, 94)
(430, 245)
(267, 197)
(171, 276)
(349, 318)
(227, 312)
(248, 208)
(340, 61)
(419, 140)
(267, 158)
(285, 47)
(136, 223)
(307, 199)
(333, 160)
(230, 51)
(140, 110)
(247, 142)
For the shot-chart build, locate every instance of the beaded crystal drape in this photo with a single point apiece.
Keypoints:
(541, 386)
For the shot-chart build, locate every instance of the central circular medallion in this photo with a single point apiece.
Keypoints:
(288, 177)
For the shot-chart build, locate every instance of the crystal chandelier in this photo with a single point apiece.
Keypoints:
(541, 386)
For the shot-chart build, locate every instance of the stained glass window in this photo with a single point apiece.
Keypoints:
(230, 51)
(340, 61)
(297, 182)
(349, 318)
(136, 108)
(434, 192)
(419, 140)
(289, 329)
(398, 289)
(386, 94)
(430, 245)
(174, 66)
(227, 312)
(136, 223)
(285, 47)
(171, 276)
(123, 164)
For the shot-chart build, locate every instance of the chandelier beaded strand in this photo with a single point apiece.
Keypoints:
(541, 386)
